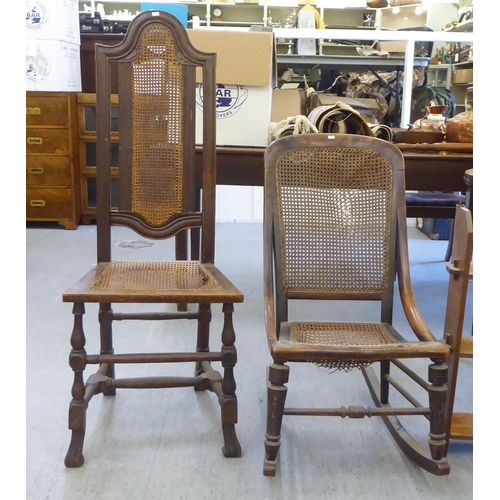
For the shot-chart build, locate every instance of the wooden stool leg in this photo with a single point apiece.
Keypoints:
(438, 391)
(276, 395)
(78, 405)
(228, 401)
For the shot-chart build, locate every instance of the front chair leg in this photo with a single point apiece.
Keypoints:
(438, 377)
(276, 394)
(228, 401)
(78, 405)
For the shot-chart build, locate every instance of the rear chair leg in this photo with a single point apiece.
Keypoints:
(276, 394)
(384, 383)
(78, 405)
(181, 253)
(438, 377)
(203, 336)
(105, 322)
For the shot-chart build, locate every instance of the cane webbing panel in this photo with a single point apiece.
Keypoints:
(154, 276)
(157, 135)
(341, 334)
(334, 207)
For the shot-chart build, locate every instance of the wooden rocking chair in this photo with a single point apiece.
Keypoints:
(335, 229)
(156, 66)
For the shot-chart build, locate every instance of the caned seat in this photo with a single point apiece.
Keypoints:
(156, 69)
(335, 230)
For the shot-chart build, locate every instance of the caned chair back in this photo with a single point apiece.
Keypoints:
(332, 203)
(156, 180)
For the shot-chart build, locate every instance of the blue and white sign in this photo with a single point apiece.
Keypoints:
(37, 14)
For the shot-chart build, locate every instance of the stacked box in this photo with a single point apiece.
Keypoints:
(245, 78)
(53, 46)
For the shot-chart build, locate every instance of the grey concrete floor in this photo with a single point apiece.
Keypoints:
(166, 444)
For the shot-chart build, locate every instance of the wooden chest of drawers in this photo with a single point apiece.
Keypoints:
(52, 173)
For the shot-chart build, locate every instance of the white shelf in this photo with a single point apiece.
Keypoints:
(466, 26)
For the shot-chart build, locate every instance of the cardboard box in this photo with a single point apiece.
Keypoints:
(336, 49)
(53, 20)
(53, 66)
(462, 76)
(395, 47)
(246, 71)
(287, 102)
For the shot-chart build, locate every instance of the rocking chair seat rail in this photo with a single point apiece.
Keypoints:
(322, 191)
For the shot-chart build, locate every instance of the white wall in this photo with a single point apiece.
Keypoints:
(239, 204)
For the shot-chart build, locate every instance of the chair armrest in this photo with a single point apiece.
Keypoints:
(408, 301)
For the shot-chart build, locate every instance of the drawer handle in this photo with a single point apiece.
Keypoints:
(35, 140)
(36, 170)
(33, 111)
(37, 203)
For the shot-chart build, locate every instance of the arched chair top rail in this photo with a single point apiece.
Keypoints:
(186, 53)
(380, 146)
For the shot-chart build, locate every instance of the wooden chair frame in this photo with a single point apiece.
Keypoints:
(156, 67)
(459, 425)
(280, 161)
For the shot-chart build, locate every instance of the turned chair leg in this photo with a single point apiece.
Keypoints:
(438, 377)
(276, 395)
(78, 405)
(228, 401)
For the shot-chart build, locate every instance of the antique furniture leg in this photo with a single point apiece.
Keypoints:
(106, 321)
(384, 382)
(203, 336)
(276, 395)
(228, 401)
(181, 253)
(78, 405)
(438, 377)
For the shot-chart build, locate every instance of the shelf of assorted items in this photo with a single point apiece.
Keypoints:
(238, 13)
(439, 75)
(461, 80)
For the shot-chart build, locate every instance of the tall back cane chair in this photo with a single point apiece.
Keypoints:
(156, 70)
(335, 229)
